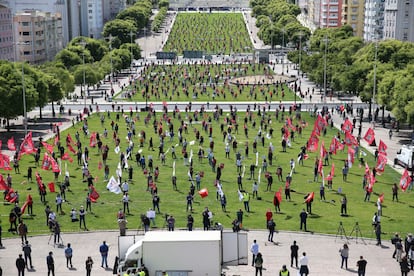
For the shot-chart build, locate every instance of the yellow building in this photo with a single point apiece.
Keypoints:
(353, 15)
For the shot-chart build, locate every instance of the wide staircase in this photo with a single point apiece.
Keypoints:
(194, 5)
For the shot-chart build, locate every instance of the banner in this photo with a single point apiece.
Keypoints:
(66, 156)
(310, 197)
(347, 126)
(93, 195)
(405, 180)
(369, 136)
(46, 162)
(350, 139)
(27, 146)
(51, 187)
(113, 186)
(93, 141)
(313, 143)
(3, 185)
(381, 163)
(11, 196)
(29, 200)
(382, 148)
(48, 147)
(10, 144)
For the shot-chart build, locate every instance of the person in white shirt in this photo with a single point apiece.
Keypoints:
(151, 216)
(125, 200)
(125, 187)
(303, 261)
(255, 250)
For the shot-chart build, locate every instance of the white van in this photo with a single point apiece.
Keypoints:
(405, 157)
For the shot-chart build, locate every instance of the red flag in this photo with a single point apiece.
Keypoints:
(100, 165)
(55, 165)
(372, 179)
(381, 162)
(313, 143)
(10, 144)
(56, 140)
(320, 123)
(71, 148)
(66, 156)
(291, 126)
(29, 200)
(332, 170)
(382, 148)
(3, 185)
(323, 151)
(69, 140)
(5, 162)
(333, 146)
(369, 136)
(310, 197)
(48, 147)
(51, 187)
(286, 133)
(46, 162)
(1, 144)
(11, 196)
(320, 166)
(381, 198)
(27, 146)
(347, 126)
(92, 140)
(350, 139)
(93, 195)
(351, 155)
(366, 168)
(405, 180)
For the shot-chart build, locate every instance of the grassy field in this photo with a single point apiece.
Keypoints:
(207, 82)
(325, 216)
(212, 33)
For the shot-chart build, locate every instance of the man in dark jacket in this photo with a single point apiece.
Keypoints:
(21, 265)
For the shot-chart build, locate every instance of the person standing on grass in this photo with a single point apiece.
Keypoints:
(82, 214)
(395, 192)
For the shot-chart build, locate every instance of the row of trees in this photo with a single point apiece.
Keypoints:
(93, 58)
(277, 23)
(353, 66)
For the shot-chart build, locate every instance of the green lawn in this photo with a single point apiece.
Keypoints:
(325, 217)
(207, 82)
(212, 33)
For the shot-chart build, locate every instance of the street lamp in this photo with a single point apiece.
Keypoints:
(375, 81)
(24, 102)
(145, 41)
(324, 65)
(283, 51)
(300, 59)
(83, 44)
(110, 37)
(130, 47)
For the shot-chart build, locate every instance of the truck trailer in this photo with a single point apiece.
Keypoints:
(182, 253)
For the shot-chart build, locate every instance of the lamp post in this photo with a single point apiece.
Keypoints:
(300, 59)
(110, 37)
(145, 41)
(283, 51)
(324, 65)
(130, 47)
(83, 43)
(374, 89)
(24, 102)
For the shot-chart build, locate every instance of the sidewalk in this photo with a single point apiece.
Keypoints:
(322, 250)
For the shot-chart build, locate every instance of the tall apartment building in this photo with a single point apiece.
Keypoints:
(399, 20)
(95, 13)
(374, 20)
(330, 14)
(353, 15)
(6, 32)
(38, 36)
(69, 9)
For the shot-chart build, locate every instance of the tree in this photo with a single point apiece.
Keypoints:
(68, 58)
(137, 14)
(136, 50)
(163, 4)
(60, 73)
(97, 47)
(119, 29)
(11, 90)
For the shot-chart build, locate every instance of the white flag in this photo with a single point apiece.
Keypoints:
(257, 158)
(117, 150)
(113, 186)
